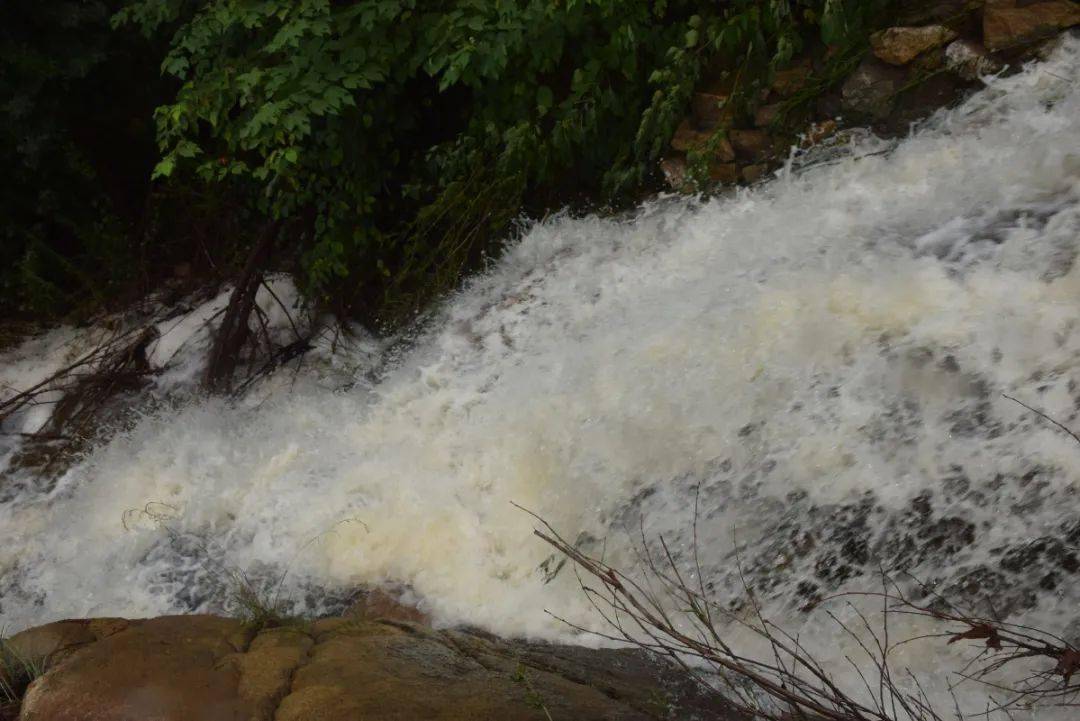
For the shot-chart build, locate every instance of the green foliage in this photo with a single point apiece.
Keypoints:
(399, 137)
(395, 140)
(533, 698)
(258, 608)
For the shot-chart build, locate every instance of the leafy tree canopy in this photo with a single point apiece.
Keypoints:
(394, 140)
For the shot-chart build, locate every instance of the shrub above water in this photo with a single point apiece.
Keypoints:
(397, 139)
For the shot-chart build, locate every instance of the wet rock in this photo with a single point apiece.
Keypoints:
(1011, 23)
(165, 668)
(946, 537)
(766, 115)
(830, 104)
(932, 92)
(901, 45)
(204, 668)
(380, 605)
(688, 137)
(937, 11)
(265, 669)
(928, 62)
(1043, 553)
(791, 80)
(725, 173)
(753, 173)
(1045, 49)
(47, 645)
(987, 593)
(674, 170)
(969, 60)
(751, 144)
(710, 110)
(872, 88)
(818, 132)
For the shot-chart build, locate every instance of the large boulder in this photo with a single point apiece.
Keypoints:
(163, 669)
(901, 45)
(205, 668)
(1011, 23)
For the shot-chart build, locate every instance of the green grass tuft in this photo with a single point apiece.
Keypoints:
(17, 672)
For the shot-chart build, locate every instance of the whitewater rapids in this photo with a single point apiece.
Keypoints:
(820, 360)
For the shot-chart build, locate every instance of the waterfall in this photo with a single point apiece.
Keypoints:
(818, 362)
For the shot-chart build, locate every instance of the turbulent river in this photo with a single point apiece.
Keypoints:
(820, 363)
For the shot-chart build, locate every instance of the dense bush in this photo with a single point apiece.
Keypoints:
(399, 137)
(395, 140)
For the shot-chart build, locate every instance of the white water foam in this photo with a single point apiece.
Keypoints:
(820, 360)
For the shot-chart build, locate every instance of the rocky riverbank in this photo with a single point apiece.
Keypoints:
(380, 662)
(933, 57)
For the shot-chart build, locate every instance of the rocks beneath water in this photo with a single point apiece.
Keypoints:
(382, 663)
(943, 545)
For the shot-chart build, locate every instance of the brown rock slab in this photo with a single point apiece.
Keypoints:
(688, 138)
(45, 646)
(163, 669)
(936, 11)
(766, 115)
(637, 679)
(377, 604)
(38, 645)
(204, 668)
(791, 80)
(901, 45)
(751, 144)
(267, 667)
(1011, 23)
(725, 173)
(375, 671)
(710, 110)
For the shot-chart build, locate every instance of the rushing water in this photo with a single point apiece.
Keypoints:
(820, 361)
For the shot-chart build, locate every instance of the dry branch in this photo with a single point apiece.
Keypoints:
(792, 684)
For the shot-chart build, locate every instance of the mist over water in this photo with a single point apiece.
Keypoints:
(819, 363)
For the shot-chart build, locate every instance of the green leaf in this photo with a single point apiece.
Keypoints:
(164, 168)
(544, 98)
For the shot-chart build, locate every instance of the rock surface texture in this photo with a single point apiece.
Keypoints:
(901, 45)
(206, 668)
(1010, 23)
(937, 51)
